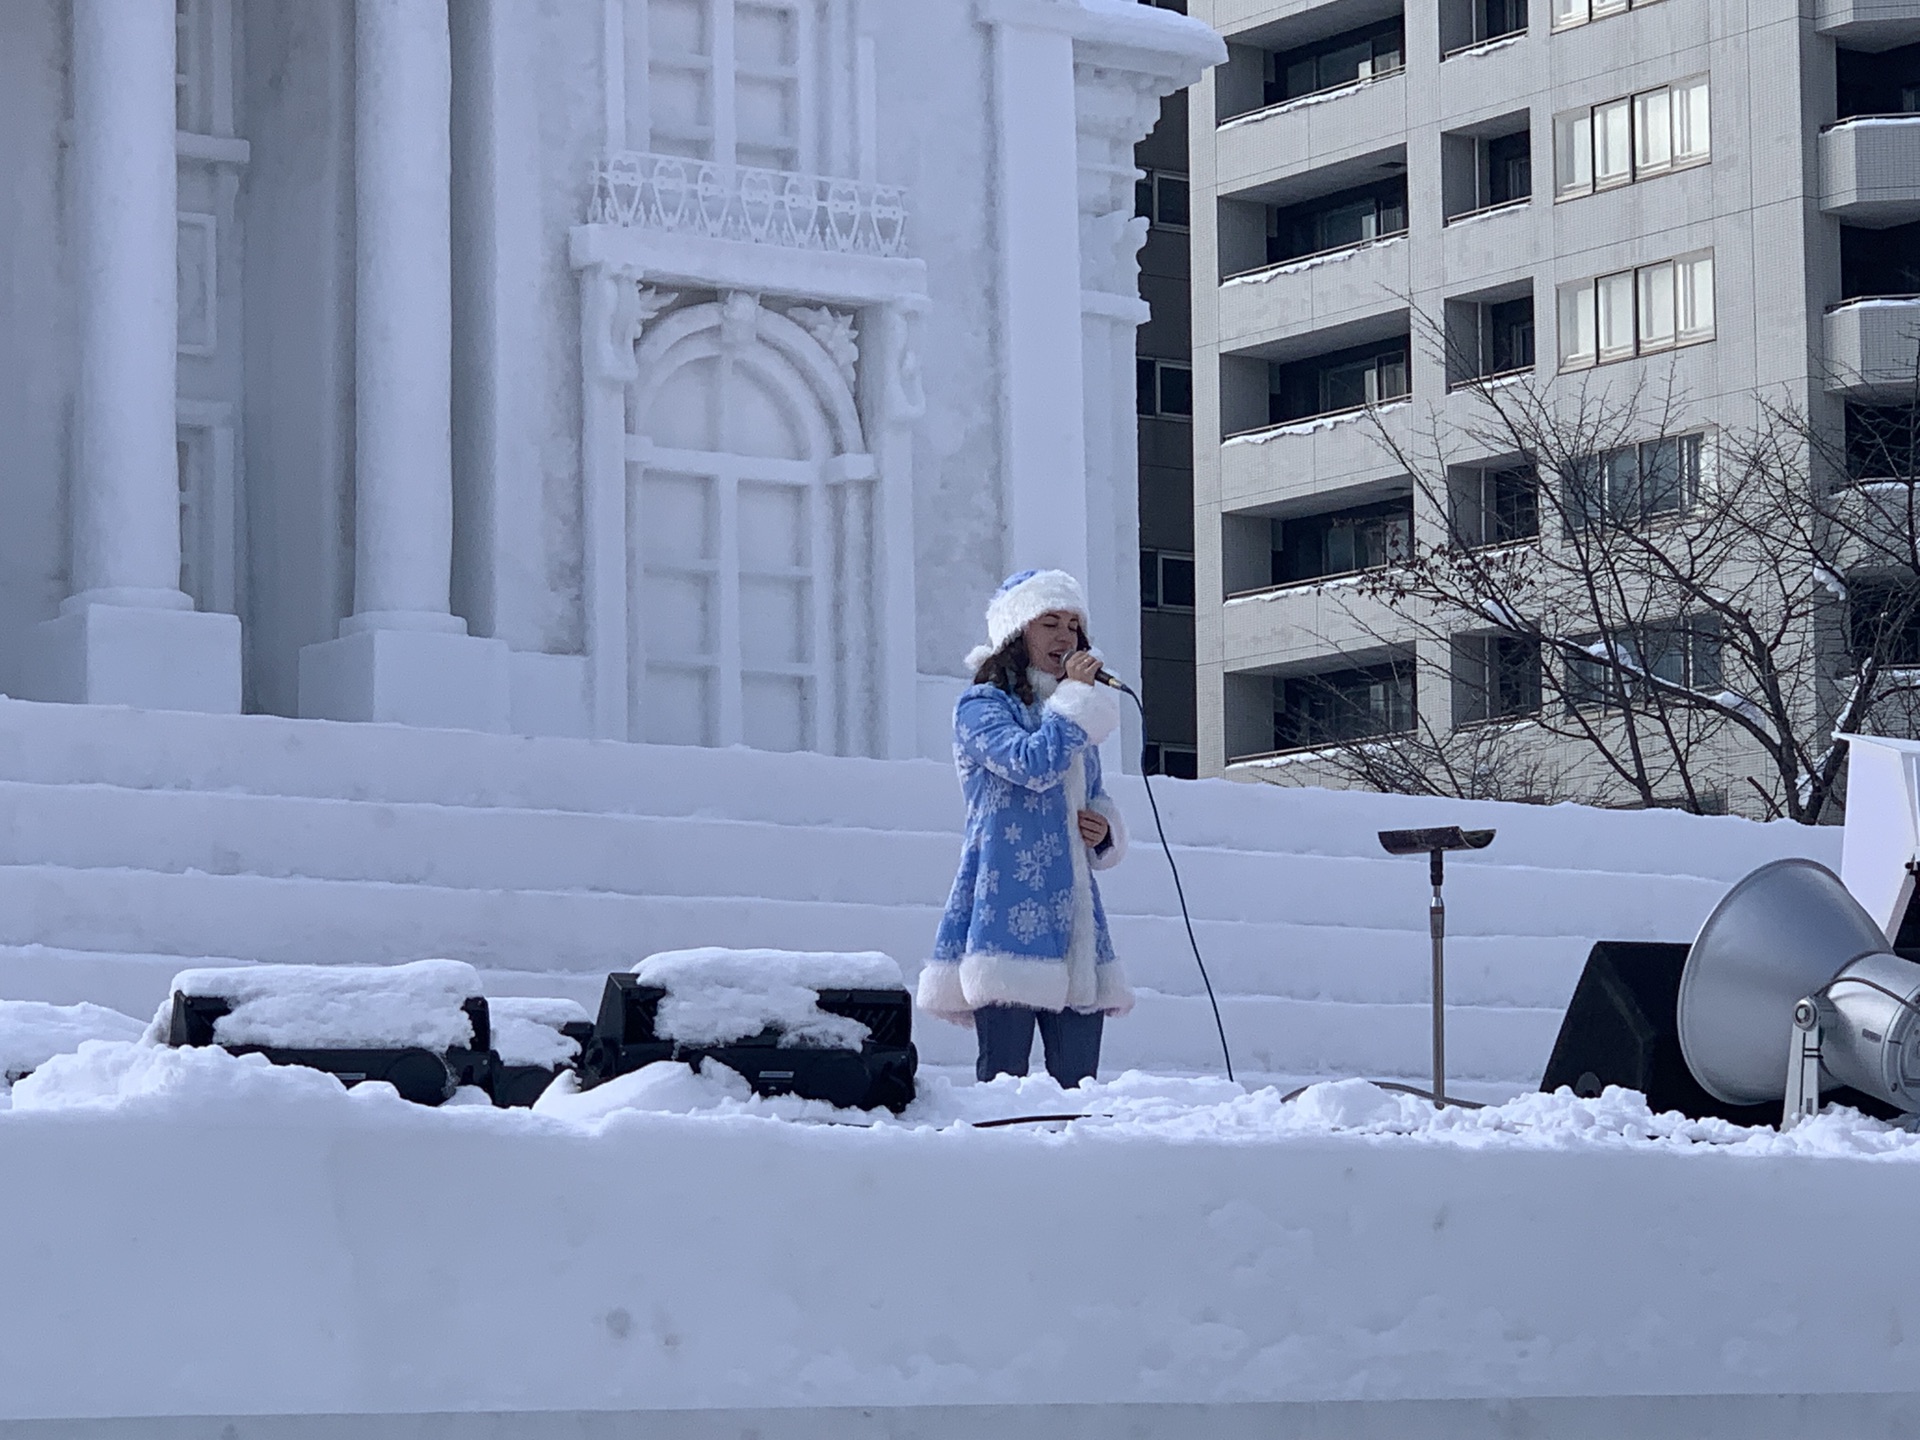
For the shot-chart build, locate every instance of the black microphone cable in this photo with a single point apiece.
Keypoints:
(1178, 889)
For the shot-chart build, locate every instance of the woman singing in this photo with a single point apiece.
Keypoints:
(1024, 938)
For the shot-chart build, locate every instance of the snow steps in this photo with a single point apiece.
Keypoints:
(129, 840)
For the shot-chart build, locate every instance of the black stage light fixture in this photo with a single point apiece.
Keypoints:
(1434, 843)
(1791, 989)
(426, 1077)
(880, 1074)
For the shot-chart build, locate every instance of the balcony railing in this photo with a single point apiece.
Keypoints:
(740, 202)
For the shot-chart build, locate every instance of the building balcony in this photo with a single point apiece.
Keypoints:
(1870, 170)
(1302, 625)
(1314, 292)
(1313, 131)
(1872, 345)
(1868, 24)
(1231, 17)
(1286, 463)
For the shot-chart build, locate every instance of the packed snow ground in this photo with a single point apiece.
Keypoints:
(669, 1240)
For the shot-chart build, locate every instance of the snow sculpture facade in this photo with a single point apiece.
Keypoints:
(666, 370)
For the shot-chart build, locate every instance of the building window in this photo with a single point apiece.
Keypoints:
(1334, 222)
(1883, 621)
(1161, 198)
(1465, 24)
(1343, 542)
(1496, 507)
(1568, 13)
(1635, 483)
(724, 81)
(1481, 170)
(1878, 82)
(1177, 762)
(1489, 339)
(1342, 706)
(1632, 138)
(1509, 168)
(1679, 654)
(1163, 388)
(1883, 442)
(1495, 677)
(1635, 312)
(1344, 59)
(1344, 380)
(1166, 580)
(1879, 262)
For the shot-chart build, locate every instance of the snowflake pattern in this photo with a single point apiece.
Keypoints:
(1012, 832)
(1031, 864)
(1034, 799)
(983, 916)
(1027, 920)
(987, 883)
(1063, 909)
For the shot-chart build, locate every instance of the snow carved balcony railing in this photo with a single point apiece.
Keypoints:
(740, 202)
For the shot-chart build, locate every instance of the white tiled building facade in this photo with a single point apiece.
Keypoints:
(670, 370)
(1722, 194)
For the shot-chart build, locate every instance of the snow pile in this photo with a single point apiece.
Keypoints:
(664, 1088)
(144, 1077)
(526, 1029)
(717, 996)
(33, 1032)
(344, 1007)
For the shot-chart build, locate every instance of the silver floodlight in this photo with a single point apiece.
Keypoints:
(1790, 988)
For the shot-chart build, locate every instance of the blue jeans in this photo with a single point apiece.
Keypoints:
(1071, 1041)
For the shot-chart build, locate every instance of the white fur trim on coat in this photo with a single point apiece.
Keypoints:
(941, 993)
(1083, 945)
(1116, 994)
(1116, 832)
(1091, 707)
(993, 977)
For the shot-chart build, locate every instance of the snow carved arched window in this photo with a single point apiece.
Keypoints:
(750, 516)
(730, 81)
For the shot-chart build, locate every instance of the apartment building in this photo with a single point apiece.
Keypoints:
(1391, 201)
(1164, 394)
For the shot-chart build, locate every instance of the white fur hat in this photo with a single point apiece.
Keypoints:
(1024, 597)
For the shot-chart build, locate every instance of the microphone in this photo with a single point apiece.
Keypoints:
(1107, 677)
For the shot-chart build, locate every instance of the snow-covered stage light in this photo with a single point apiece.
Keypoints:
(824, 1026)
(423, 1028)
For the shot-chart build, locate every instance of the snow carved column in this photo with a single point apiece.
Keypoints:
(1036, 174)
(403, 655)
(127, 634)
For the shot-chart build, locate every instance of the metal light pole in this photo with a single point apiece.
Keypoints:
(1435, 843)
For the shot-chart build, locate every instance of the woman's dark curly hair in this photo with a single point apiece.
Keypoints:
(1006, 668)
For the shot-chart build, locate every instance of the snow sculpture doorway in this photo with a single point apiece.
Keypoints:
(749, 530)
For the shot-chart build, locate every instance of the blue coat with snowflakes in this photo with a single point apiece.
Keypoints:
(1024, 924)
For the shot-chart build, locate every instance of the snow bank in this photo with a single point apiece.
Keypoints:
(33, 1032)
(143, 1077)
(526, 1029)
(670, 1241)
(339, 1006)
(716, 996)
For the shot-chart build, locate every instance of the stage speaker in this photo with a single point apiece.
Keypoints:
(1787, 933)
(1621, 1029)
